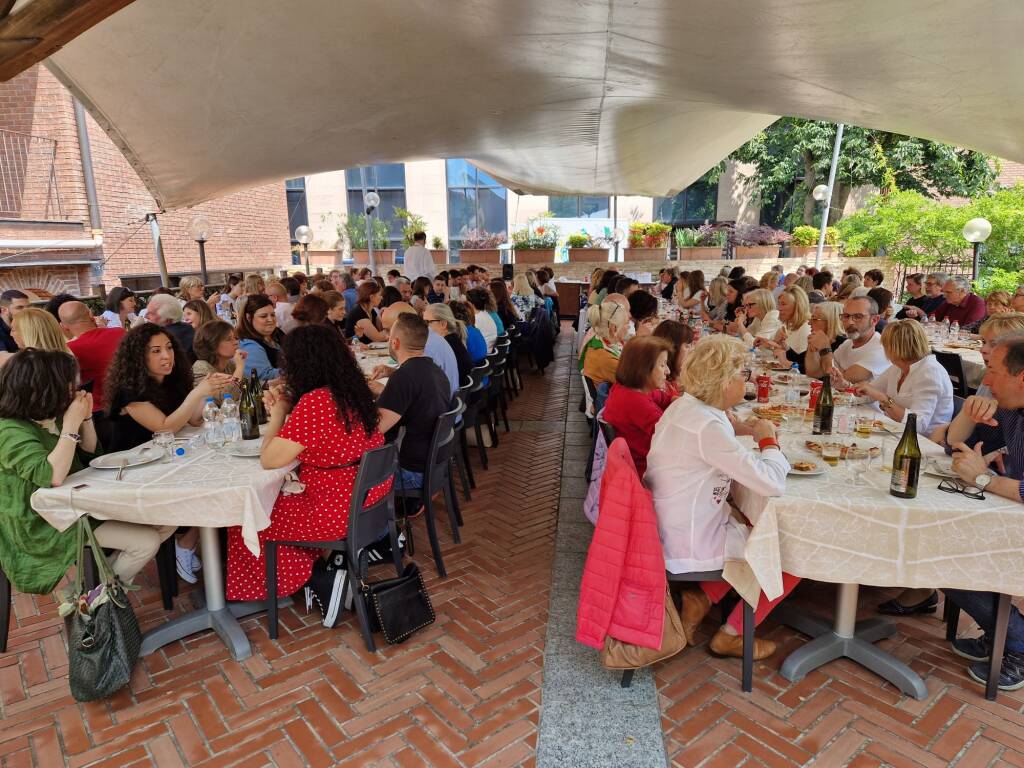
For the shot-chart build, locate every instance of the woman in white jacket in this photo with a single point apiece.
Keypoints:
(694, 459)
(757, 317)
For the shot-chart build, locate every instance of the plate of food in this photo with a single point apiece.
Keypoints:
(940, 467)
(849, 398)
(135, 457)
(775, 413)
(246, 449)
(803, 464)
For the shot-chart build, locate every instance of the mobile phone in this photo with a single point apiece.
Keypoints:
(85, 386)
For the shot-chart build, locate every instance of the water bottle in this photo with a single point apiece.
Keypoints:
(231, 428)
(945, 328)
(212, 431)
(698, 328)
(954, 331)
(793, 389)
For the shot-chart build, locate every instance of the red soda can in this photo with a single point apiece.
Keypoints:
(816, 386)
(764, 387)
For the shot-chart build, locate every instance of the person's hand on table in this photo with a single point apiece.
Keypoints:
(381, 372)
(969, 464)
(78, 411)
(981, 410)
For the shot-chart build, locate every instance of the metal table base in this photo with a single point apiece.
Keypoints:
(850, 639)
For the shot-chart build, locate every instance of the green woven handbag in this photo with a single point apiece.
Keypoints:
(104, 638)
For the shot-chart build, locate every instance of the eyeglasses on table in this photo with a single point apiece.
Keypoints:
(956, 486)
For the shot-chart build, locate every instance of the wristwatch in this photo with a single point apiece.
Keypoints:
(888, 402)
(825, 351)
(981, 481)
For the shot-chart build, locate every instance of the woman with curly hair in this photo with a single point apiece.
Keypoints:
(260, 337)
(324, 416)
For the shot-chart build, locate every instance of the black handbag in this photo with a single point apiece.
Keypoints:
(104, 638)
(400, 606)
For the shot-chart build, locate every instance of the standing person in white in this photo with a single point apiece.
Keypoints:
(418, 261)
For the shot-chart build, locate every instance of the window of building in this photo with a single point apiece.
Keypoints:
(475, 201)
(298, 213)
(579, 207)
(388, 181)
(691, 207)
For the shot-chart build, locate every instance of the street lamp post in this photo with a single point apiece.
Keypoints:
(304, 235)
(371, 200)
(199, 228)
(976, 231)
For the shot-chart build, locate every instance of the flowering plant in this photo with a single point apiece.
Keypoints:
(481, 239)
(759, 234)
(542, 237)
(649, 235)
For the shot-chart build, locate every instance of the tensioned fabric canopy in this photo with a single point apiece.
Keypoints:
(559, 96)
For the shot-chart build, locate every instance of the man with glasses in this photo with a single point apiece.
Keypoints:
(985, 425)
(860, 358)
(923, 304)
(962, 306)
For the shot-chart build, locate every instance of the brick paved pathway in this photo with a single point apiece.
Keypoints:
(468, 690)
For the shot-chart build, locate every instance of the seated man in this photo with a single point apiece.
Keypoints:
(860, 358)
(435, 348)
(983, 426)
(164, 310)
(416, 393)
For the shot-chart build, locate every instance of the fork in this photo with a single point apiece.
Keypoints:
(120, 471)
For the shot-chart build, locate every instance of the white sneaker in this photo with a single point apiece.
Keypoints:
(197, 564)
(183, 561)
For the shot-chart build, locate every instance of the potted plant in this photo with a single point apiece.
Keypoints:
(648, 241)
(481, 247)
(804, 242)
(353, 231)
(536, 244)
(703, 243)
(757, 241)
(437, 251)
(582, 247)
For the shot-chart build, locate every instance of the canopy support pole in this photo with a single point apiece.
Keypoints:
(615, 223)
(154, 230)
(828, 195)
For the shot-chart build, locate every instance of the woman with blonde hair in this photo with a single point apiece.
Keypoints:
(38, 329)
(850, 284)
(826, 334)
(189, 289)
(696, 290)
(757, 317)
(806, 282)
(693, 460)
(768, 281)
(794, 314)
(716, 300)
(610, 322)
(523, 297)
(595, 281)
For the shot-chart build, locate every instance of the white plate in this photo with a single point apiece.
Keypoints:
(940, 468)
(134, 457)
(246, 449)
(820, 466)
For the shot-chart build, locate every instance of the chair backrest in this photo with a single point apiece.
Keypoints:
(954, 365)
(371, 509)
(608, 431)
(458, 404)
(478, 374)
(442, 447)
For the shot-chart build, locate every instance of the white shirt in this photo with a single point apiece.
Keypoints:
(283, 312)
(485, 324)
(927, 391)
(114, 319)
(797, 340)
(693, 461)
(870, 356)
(763, 327)
(418, 262)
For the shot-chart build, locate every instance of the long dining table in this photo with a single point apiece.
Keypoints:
(844, 527)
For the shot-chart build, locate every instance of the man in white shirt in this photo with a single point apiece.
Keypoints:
(278, 296)
(418, 261)
(861, 357)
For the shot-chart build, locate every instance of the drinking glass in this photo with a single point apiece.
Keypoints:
(830, 453)
(858, 462)
(165, 442)
(865, 425)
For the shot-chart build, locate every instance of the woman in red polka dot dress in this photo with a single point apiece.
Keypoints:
(333, 422)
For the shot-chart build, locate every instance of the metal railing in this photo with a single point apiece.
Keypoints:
(28, 177)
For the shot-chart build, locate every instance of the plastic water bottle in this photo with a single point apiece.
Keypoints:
(945, 328)
(954, 331)
(793, 390)
(212, 431)
(231, 427)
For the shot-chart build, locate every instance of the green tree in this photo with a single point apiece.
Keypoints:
(793, 155)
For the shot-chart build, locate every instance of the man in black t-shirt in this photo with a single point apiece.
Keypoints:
(414, 396)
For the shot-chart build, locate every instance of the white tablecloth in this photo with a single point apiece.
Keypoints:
(827, 529)
(974, 364)
(206, 489)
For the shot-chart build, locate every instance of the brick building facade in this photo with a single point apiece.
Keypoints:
(43, 203)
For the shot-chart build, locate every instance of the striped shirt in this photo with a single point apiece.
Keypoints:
(1009, 434)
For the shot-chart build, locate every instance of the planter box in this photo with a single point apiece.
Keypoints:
(599, 255)
(756, 252)
(811, 251)
(645, 254)
(439, 255)
(700, 253)
(379, 256)
(479, 256)
(534, 256)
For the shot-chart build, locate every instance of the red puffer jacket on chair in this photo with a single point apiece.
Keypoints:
(623, 589)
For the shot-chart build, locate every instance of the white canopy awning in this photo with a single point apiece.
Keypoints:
(563, 96)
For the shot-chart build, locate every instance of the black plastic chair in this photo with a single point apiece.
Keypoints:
(515, 337)
(954, 365)
(459, 459)
(509, 384)
(747, 681)
(496, 395)
(365, 523)
(436, 479)
(474, 395)
(951, 615)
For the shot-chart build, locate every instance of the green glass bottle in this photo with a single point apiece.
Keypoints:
(823, 409)
(247, 416)
(906, 462)
(256, 389)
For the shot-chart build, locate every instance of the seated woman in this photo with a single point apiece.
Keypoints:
(217, 351)
(324, 416)
(389, 295)
(694, 459)
(757, 318)
(695, 292)
(826, 336)
(609, 321)
(363, 322)
(996, 303)
(259, 337)
(643, 312)
(476, 344)
(311, 309)
(36, 328)
(196, 313)
(191, 289)
(716, 300)
(120, 308)
(794, 314)
(46, 434)
(638, 398)
(335, 310)
(680, 336)
(439, 318)
(421, 287)
(915, 382)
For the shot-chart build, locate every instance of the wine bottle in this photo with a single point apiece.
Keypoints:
(823, 408)
(256, 390)
(906, 462)
(247, 414)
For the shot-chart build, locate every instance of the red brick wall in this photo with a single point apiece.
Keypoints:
(45, 280)
(250, 228)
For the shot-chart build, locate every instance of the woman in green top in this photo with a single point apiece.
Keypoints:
(46, 434)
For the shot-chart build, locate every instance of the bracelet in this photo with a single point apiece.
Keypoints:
(888, 402)
(768, 442)
(72, 436)
(86, 420)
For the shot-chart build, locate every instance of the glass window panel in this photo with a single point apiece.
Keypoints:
(352, 178)
(461, 211)
(299, 183)
(484, 180)
(355, 201)
(564, 206)
(594, 207)
(389, 175)
(460, 173)
(492, 212)
(389, 200)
